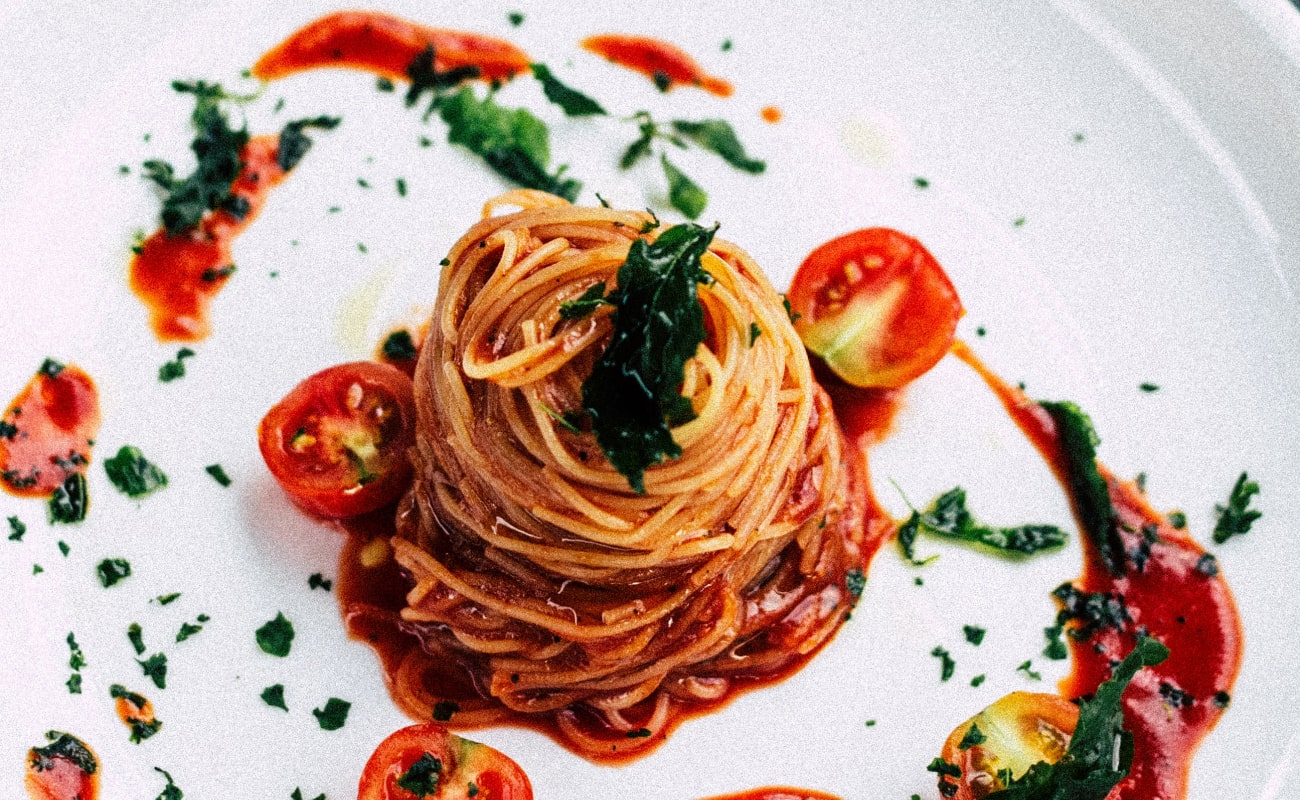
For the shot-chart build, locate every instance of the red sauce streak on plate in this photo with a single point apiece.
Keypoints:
(48, 430)
(176, 277)
(770, 114)
(776, 793)
(657, 60)
(1177, 596)
(64, 770)
(386, 45)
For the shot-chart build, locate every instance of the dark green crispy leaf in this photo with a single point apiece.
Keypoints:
(1100, 751)
(70, 500)
(421, 779)
(685, 194)
(574, 103)
(112, 570)
(217, 147)
(294, 144)
(66, 746)
(1236, 517)
(1088, 488)
(512, 141)
(632, 394)
(133, 474)
(155, 668)
(171, 791)
(719, 137)
(947, 516)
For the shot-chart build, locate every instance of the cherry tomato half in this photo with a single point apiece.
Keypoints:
(875, 306)
(1014, 733)
(338, 442)
(426, 761)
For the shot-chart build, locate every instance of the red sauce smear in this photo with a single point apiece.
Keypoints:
(770, 114)
(1177, 596)
(663, 63)
(178, 276)
(386, 45)
(66, 769)
(48, 430)
(776, 793)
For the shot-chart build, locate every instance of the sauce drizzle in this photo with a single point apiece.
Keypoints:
(48, 430)
(661, 62)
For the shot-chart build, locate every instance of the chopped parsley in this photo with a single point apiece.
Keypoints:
(948, 517)
(921, 183)
(1207, 565)
(155, 669)
(573, 102)
(218, 474)
(70, 500)
(1027, 668)
(516, 18)
(855, 580)
(188, 629)
(972, 737)
(133, 474)
(945, 770)
(294, 144)
(8, 430)
(1236, 517)
(1055, 648)
(400, 183)
(1092, 610)
(977, 680)
(333, 715)
(77, 659)
(276, 636)
(112, 570)
(632, 394)
(175, 368)
(297, 795)
(399, 346)
(171, 791)
(64, 548)
(1149, 387)
(318, 581)
(142, 722)
(73, 683)
(273, 695)
(16, 529)
(1100, 751)
(443, 710)
(136, 635)
(639, 733)
(1177, 520)
(65, 746)
(421, 779)
(946, 663)
(974, 634)
(1088, 489)
(166, 599)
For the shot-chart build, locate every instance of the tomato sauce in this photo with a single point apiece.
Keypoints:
(48, 430)
(386, 45)
(665, 64)
(776, 793)
(176, 277)
(770, 114)
(1171, 590)
(66, 769)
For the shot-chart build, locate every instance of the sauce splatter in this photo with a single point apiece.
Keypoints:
(776, 793)
(386, 45)
(1171, 590)
(177, 277)
(136, 713)
(48, 430)
(770, 114)
(665, 64)
(64, 769)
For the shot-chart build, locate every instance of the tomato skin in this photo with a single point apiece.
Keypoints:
(337, 443)
(1020, 729)
(875, 306)
(493, 775)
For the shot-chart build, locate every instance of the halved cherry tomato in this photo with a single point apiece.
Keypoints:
(1018, 731)
(427, 761)
(875, 306)
(338, 442)
(48, 430)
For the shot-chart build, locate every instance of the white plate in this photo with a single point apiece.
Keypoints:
(1161, 248)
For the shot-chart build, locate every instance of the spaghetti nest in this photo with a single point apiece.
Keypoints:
(562, 591)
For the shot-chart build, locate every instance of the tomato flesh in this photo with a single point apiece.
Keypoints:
(1019, 730)
(875, 306)
(419, 758)
(337, 443)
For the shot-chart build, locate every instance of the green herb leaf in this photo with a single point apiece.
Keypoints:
(318, 581)
(947, 516)
(590, 300)
(70, 501)
(1055, 649)
(171, 791)
(399, 346)
(133, 474)
(188, 629)
(294, 144)
(974, 634)
(1088, 489)
(112, 570)
(276, 636)
(632, 394)
(217, 147)
(1236, 517)
(425, 77)
(166, 599)
(274, 696)
(1089, 769)
(155, 668)
(573, 102)
(136, 635)
(76, 659)
(513, 142)
(717, 136)
(421, 779)
(947, 664)
(972, 737)
(65, 746)
(685, 195)
(218, 474)
(444, 710)
(16, 529)
(175, 368)
(333, 715)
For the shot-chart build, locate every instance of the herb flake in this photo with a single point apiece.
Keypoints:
(133, 474)
(276, 636)
(1237, 517)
